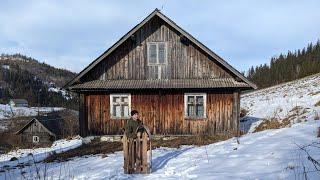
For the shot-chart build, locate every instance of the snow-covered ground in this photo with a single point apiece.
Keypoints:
(7, 112)
(64, 93)
(271, 154)
(37, 154)
(294, 100)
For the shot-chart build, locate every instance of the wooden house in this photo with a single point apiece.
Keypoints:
(42, 130)
(179, 86)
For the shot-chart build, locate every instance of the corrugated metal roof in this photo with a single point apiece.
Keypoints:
(159, 84)
(19, 101)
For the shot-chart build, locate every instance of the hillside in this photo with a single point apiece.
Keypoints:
(39, 83)
(291, 152)
(294, 101)
(43, 71)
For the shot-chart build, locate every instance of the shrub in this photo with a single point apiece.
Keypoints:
(243, 112)
(13, 159)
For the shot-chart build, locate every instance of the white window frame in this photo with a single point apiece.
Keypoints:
(157, 49)
(35, 139)
(186, 105)
(111, 105)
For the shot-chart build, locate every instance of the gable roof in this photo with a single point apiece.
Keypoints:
(157, 12)
(52, 124)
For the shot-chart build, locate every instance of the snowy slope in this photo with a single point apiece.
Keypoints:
(64, 93)
(294, 100)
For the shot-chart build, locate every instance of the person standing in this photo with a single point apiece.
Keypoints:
(131, 132)
(132, 124)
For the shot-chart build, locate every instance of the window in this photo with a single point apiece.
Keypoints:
(35, 139)
(157, 53)
(195, 105)
(120, 105)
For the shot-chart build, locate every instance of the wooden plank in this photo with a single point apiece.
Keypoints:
(82, 119)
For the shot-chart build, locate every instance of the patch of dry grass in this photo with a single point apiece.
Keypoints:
(95, 147)
(317, 104)
(272, 124)
(314, 93)
(188, 140)
(102, 147)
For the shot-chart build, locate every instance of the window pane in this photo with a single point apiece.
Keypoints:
(152, 53)
(126, 110)
(190, 99)
(162, 52)
(199, 99)
(200, 111)
(190, 110)
(116, 111)
(124, 99)
(116, 99)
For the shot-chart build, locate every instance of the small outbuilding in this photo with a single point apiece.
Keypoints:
(41, 130)
(18, 103)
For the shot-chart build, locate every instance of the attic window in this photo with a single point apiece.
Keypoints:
(157, 53)
(35, 139)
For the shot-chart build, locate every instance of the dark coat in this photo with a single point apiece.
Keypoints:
(131, 127)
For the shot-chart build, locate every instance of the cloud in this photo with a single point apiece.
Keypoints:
(71, 34)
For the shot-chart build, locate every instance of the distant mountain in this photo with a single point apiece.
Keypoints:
(43, 71)
(39, 83)
(287, 67)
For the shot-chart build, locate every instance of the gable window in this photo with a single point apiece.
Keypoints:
(120, 105)
(195, 105)
(35, 139)
(157, 53)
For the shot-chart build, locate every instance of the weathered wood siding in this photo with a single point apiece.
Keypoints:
(129, 60)
(36, 129)
(163, 113)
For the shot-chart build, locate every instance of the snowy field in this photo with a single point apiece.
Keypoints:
(271, 154)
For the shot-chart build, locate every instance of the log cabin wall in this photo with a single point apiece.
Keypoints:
(163, 113)
(129, 60)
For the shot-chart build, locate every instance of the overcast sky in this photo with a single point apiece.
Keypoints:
(71, 34)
